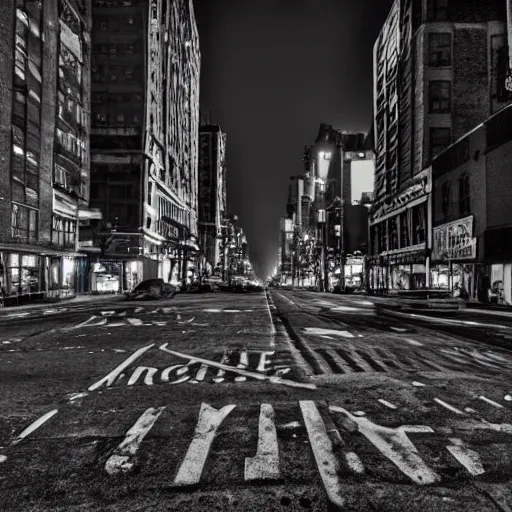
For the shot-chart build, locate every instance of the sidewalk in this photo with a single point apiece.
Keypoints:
(79, 299)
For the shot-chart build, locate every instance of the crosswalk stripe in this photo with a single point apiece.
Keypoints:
(323, 451)
(265, 465)
(358, 359)
(340, 361)
(34, 426)
(122, 458)
(192, 466)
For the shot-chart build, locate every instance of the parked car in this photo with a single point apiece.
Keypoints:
(152, 289)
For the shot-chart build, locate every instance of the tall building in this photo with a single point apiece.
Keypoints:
(438, 72)
(44, 145)
(144, 140)
(212, 193)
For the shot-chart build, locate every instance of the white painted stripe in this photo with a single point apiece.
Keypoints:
(134, 321)
(109, 379)
(148, 379)
(265, 465)
(508, 398)
(467, 457)
(359, 360)
(220, 374)
(34, 426)
(398, 329)
(359, 413)
(3, 458)
(386, 403)
(107, 313)
(88, 322)
(272, 326)
(122, 459)
(394, 444)
(418, 384)
(138, 310)
(323, 451)
(412, 342)
(76, 396)
(448, 406)
(192, 466)
(340, 361)
(492, 402)
(354, 463)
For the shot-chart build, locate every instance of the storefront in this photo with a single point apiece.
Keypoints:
(106, 276)
(454, 258)
(354, 272)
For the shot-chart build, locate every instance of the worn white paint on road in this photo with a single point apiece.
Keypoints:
(122, 459)
(394, 444)
(448, 406)
(109, 379)
(320, 331)
(34, 426)
(412, 342)
(386, 403)
(273, 331)
(491, 402)
(323, 451)
(148, 378)
(354, 463)
(265, 465)
(192, 466)
(240, 371)
(467, 457)
(417, 384)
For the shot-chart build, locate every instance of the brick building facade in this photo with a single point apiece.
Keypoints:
(44, 131)
(438, 72)
(144, 140)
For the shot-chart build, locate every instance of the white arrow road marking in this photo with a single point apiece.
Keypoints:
(246, 373)
(394, 444)
(492, 402)
(468, 458)
(448, 406)
(109, 379)
(34, 426)
(148, 379)
(265, 465)
(192, 466)
(122, 459)
(323, 451)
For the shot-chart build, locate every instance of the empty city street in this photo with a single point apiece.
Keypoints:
(283, 400)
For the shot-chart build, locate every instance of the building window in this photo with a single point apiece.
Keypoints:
(464, 195)
(150, 192)
(437, 10)
(440, 139)
(440, 97)
(439, 49)
(120, 118)
(24, 223)
(446, 196)
(104, 25)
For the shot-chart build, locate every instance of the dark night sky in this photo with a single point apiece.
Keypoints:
(271, 72)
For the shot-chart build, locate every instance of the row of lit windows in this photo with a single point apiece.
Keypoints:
(71, 143)
(24, 223)
(63, 232)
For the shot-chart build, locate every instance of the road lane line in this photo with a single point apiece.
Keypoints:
(448, 406)
(467, 457)
(386, 403)
(492, 402)
(265, 465)
(122, 459)
(321, 445)
(192, 466)
(412, 342)
(246, 373)
(418, 384)
(109, 379)
(273, 331)
(394, 444)
(34, 426)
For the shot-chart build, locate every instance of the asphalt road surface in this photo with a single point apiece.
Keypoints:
(284, 400)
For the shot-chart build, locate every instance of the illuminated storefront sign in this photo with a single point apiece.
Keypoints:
(454, 240)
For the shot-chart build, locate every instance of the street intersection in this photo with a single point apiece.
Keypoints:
(284, 400)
